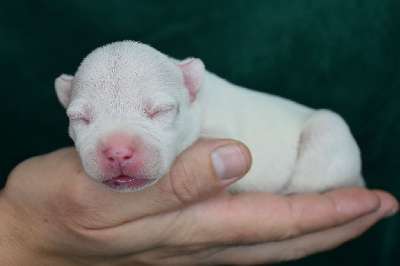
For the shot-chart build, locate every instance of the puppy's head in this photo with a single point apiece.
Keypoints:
(131, 112)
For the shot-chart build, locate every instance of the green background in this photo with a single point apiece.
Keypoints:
(340, 54)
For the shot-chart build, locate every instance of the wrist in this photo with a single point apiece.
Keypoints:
(11, 243)
(16, 242)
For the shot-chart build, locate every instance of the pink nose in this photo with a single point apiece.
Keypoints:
(118, 155)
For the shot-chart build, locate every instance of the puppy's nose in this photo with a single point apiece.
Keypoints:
(122, 155)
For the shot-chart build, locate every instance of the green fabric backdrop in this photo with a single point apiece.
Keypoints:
(338, 54)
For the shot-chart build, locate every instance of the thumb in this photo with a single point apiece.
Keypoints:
(204, 169)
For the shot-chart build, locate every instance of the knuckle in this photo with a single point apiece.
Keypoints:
(183, 183)
(294, 229)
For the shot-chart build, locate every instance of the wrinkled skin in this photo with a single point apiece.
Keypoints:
(53, 214)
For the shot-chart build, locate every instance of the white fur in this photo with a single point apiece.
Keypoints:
(295, 149)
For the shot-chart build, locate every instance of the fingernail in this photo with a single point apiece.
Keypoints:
(391, 213)
(228, 161)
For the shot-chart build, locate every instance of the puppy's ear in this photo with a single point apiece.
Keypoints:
(63, 86)
(193, 75)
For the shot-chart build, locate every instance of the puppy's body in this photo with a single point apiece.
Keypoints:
(295, 149)
(133, 110)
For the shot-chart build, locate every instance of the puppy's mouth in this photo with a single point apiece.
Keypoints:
(124, 182)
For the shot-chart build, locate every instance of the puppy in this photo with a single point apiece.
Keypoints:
(132, 110)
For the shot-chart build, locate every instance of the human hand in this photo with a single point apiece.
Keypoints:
(53, 214)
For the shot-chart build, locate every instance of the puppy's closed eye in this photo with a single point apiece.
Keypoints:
(161, 111)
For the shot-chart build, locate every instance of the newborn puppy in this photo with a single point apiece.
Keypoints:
(132, 110)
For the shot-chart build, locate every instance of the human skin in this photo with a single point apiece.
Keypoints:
(53, 214)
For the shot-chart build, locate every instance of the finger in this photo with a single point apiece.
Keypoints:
(204, 169)
(307, 244)
(196, 175)
(259, 217)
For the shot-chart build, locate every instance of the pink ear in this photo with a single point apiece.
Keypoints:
(63, 89)
(193, 74)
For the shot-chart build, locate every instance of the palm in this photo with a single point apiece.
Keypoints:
(180, 220)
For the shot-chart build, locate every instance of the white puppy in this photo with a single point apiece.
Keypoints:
(132, 110)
